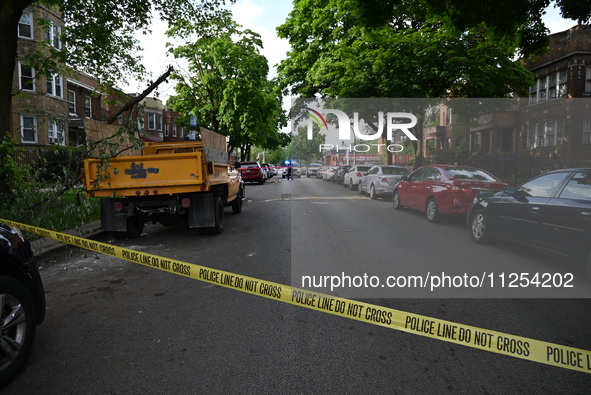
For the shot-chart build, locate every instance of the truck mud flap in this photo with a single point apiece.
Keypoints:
(111, 220)
(201, 212)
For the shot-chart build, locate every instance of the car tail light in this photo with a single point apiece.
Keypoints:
(383, 179)
(454, 188)
(118, 206)
(186, 202)
(358, 174)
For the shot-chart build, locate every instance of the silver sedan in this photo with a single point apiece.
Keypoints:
(381, 179)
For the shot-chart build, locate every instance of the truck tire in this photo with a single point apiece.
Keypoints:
(237, 203)
(218, 206)
(218, 213)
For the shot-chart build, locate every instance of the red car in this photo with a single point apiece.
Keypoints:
(252, 172)
(443, 189)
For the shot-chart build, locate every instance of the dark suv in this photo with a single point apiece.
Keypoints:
(22, 300)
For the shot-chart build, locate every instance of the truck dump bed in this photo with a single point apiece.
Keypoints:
(165, 168)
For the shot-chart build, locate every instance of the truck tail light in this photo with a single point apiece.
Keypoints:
(118, 206)
(186, 202)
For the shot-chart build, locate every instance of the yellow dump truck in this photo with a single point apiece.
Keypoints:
(169, 183)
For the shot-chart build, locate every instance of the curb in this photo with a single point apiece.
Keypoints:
(45, 244)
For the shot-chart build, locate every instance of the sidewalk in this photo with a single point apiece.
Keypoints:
(45, 244)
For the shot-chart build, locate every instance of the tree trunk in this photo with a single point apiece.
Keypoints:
(10, 14)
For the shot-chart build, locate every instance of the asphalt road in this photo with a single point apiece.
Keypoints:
(116, 327)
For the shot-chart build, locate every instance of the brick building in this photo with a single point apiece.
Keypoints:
(552, 125)
(51, 110)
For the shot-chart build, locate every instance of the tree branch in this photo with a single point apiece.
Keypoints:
(129, 105)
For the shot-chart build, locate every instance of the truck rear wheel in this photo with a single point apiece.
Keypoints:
(135, 227)
(218, 213)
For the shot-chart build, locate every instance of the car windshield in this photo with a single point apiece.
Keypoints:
(394, 171)
(363, 168)
(249, 165)
(462, 173)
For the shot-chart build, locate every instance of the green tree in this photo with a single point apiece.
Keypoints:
(400, 49)
(98, 38)
(306, 149)
(225, 84)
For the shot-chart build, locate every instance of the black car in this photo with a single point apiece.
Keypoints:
(22, 300)
(551, 212)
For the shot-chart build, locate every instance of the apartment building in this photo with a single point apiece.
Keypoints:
(551, 125)
(52, 109)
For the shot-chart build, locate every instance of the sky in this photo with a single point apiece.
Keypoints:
(261, 16)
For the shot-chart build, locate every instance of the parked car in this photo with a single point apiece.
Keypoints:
(339, 175)
(551, 212)
(22, 300)
(268, 168)
(353, 176)
(443, 189)
(381, 179)
(312, 169)
(252, 172)
(328, 173)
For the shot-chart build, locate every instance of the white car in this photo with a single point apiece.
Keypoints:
(353, 176)
(328, 174)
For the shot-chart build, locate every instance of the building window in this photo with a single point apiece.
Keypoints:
(54, 85)
(552, 86)
(151, 121)
(88, 106)
(26, 75)
(588, 80)
(173, 130)
(159, 121)
(28, 129)
(587, 131)
(56, 132)
(548, 134)
(25, 25)
(166, 129)
(72, 102)
(53, 35)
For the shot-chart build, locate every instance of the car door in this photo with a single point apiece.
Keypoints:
(368, 179)
(408, 189)
(520, 216)
(567, 217)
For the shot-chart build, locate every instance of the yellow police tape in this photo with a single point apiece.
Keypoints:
(482, 339)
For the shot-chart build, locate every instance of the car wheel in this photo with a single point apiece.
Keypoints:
(432, 211)
(17, 327)
(479, 227)
(351, 186)
(396, 201)
(359, 189)
(372, 192)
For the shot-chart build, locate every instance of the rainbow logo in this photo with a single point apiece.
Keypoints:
(318, 118)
